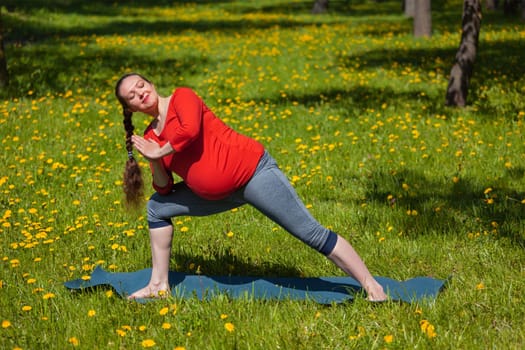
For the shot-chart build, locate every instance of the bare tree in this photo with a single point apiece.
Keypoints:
(422, 19)
(4, 76)
(464, 63)
(320, 6)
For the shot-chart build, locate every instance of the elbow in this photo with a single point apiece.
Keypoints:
(165, 189)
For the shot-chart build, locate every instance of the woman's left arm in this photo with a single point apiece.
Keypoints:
(189, 110)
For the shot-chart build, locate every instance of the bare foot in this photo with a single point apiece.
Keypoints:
(151, 291)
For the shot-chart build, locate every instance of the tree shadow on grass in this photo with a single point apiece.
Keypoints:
(219, 262)
(501, 57)
(125, 19)
(494, 60)
(497, 62)
(438, 209)
(102, 7)
(355, 100)
(61, 71)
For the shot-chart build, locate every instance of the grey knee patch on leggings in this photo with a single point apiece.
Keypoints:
(155, 220)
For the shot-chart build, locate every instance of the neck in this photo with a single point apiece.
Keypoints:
(162, 108)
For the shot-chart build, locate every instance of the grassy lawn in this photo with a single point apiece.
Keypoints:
(352, 108)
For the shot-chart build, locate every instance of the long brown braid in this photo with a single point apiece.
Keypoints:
(133, 184)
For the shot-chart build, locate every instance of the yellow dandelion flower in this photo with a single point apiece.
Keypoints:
(184, 229)
(428, 328)
(488, 190)
(27, 308)
(48, 296)
(166, 325)
(109, 293)
(148, 343)
(223, 316)
(6, 324)
(73, 341)
(361, 333)
(179, 348)
(229, 234)
(164, 311)
(480, 286)
(142, 328)
(229, 327)
(92, 313)
(388, 338)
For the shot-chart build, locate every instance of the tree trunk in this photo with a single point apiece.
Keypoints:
(461, 71)
(491, 4)
(409, 7)
(4, 76)
(423, 19)
(320, 6)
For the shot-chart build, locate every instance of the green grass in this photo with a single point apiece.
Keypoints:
(351, 106)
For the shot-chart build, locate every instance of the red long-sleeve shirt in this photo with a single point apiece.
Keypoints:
(211, 158)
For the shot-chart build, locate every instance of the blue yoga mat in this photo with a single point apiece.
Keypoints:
(323, 290)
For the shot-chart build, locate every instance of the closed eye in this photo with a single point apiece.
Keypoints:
(139, 85)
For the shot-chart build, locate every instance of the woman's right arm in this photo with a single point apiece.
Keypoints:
(152, 151)
(162, 179)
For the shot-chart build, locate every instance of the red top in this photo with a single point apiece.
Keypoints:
(211, 158)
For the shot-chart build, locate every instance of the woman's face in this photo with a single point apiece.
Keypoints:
(139, 94)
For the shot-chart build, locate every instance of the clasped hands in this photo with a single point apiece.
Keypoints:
(150, 149)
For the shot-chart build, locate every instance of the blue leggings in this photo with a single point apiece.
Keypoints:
(269, 191)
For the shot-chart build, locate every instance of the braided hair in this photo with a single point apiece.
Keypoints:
(133, 184)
